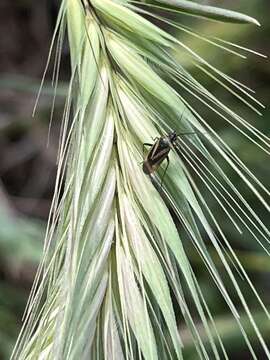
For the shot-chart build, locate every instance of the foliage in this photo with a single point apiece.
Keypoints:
(119, 260)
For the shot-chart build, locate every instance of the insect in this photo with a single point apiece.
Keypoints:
(158, 152)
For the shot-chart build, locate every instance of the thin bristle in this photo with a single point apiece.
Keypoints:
(115, 276)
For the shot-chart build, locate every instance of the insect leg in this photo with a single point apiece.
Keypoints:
(145, 144)
(168, 162)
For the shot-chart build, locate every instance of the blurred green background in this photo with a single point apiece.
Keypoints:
(27, 164)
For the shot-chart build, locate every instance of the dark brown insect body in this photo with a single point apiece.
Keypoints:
(159, 151)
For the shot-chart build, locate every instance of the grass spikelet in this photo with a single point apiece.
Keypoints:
(115, 278)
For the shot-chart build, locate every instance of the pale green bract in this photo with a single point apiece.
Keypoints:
(115, 280)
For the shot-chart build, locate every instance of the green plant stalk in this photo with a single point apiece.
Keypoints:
(112, 254)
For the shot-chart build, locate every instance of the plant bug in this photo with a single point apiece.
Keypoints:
(159, 151)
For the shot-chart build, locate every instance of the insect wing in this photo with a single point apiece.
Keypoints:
(157, 159)
(153, 150)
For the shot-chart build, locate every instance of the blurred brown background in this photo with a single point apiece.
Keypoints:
(27, 164)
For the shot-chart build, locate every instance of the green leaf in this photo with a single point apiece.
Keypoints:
(152, 270)
(209, 12)
(135, 308)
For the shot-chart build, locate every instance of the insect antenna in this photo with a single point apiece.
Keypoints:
(191, 133)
